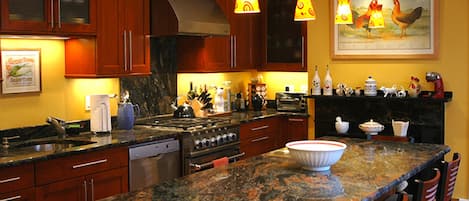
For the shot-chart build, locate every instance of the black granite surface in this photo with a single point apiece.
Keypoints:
(367, 170)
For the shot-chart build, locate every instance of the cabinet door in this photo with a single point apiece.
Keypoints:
(71, 190)
(34, 16)
(111, 37)
(284, 39)
(297, 128)
(259, 136)
(108, 183)
(138, 29)
(75, 16)
(245, 38)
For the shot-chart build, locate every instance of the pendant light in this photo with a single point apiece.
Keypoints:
(343, 13)
(304, 11)
(376, 18)
(247, 6)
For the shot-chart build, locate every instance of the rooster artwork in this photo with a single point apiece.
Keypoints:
(404, 20)
(361, 21)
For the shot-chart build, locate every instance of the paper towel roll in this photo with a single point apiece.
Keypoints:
(100, 113)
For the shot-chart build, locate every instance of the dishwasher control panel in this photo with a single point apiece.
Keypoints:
(153, 149)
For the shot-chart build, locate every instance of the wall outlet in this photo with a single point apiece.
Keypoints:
(87, 103)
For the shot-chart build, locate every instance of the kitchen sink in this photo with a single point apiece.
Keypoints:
(51, 145)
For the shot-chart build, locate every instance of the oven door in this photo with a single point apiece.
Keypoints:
(205, 161)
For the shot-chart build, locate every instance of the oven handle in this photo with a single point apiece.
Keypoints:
(204, 165)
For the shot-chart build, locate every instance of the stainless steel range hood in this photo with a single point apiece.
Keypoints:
(188, 17)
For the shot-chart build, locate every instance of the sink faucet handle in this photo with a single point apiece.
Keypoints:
(5, 143)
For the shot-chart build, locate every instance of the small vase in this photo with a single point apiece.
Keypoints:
(414, 87)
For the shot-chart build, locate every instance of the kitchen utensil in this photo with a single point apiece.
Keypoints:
(184, 111)
(341, 126)
(371, 127)
(400, 127)
(316, 155)
(126, 115)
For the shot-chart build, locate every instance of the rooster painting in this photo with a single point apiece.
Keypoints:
(404, 20)
(361, 21)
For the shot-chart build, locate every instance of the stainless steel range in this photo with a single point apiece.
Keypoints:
(204, 140)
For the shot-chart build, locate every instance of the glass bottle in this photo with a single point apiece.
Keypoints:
(316, 83)
(327, 91)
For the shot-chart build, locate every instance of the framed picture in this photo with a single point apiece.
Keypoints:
(410, 31)
(21, 71)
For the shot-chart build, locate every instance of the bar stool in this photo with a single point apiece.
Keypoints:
(426, 191)
(449, 171)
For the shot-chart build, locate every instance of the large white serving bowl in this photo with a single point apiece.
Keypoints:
(316, 155)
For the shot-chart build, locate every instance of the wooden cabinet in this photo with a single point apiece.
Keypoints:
(121, 46)
(259, 136)
(296, 128)
(48, 17)
(238, 51)
(284, 40)
(17, 183)
(87, 176)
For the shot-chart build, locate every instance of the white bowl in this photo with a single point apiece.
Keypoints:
(341, 127)
(316, 155)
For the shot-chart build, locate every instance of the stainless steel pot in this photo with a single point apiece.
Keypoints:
(184, 111)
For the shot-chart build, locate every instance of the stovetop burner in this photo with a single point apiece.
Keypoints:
(189, 124)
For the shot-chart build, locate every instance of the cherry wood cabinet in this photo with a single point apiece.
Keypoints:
(259, 136)
(58, 17)
(17, 182)
(283, 39)
(238, 51)
(88, 176)
(121, 46)
(296, 128)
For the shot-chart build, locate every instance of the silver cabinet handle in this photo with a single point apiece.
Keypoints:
(259, 128)
(86, 190)
(92, 189)
(260, 139)
(296, 120)
(12, 198)
(89, 164)
(10, 180)
(130, 50)
(125, 50)
(302, 51)
(59, 21)
(235, 55)
(51, 13)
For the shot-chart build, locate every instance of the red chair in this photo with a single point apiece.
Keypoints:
(449, 171)
(426, 191)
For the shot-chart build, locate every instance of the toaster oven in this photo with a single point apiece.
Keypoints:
(290, 101)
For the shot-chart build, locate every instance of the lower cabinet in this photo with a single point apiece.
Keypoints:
(259, 136)
(20, 195)
(88, 176)
(17, 183)
(296, 128)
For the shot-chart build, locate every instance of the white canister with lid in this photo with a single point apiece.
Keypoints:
(370, 87)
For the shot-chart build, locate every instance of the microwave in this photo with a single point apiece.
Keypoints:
(290, 101)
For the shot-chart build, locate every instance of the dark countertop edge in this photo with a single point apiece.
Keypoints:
(84, 149)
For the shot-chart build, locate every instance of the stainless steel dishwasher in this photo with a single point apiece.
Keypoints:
(153, 162)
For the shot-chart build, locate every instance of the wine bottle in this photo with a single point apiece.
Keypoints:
(327, 91)
(316, 83)
(191, 94)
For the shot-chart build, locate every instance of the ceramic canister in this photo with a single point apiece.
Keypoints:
(370, 87)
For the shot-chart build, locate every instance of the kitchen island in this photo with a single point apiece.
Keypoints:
(366, 171)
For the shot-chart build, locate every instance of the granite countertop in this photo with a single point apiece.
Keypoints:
(139, 134)
(367, 170)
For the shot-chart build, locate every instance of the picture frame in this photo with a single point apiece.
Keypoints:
(356, 41)
(21, 71)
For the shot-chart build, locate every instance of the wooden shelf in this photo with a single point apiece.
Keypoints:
(424, 96)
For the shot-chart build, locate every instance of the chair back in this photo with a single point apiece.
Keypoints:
(449, 171)
(427, 190)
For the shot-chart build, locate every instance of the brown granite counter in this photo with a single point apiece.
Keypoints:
(367, 170)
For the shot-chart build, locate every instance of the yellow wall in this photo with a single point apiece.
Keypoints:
(60, 97)
(452, 64)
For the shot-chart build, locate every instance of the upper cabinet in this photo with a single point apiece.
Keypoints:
(121, 46)
(238, 51)
(284, 40)
(58, 17)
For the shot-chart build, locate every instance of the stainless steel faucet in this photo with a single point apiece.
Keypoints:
(59, 126)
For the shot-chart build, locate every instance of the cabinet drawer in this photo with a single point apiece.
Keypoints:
(15, 178)
(259, 127)
(80, 165)
(21, 195)
(258, 144)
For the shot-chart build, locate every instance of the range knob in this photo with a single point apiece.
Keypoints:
(197, 144)
(233, 136)
(213, 141)
(205, 143)
(219, 140)
(226, 138)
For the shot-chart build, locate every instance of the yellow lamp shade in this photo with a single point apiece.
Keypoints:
(343, 13)
(304, 10)
(247, 6)
(376, 18)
